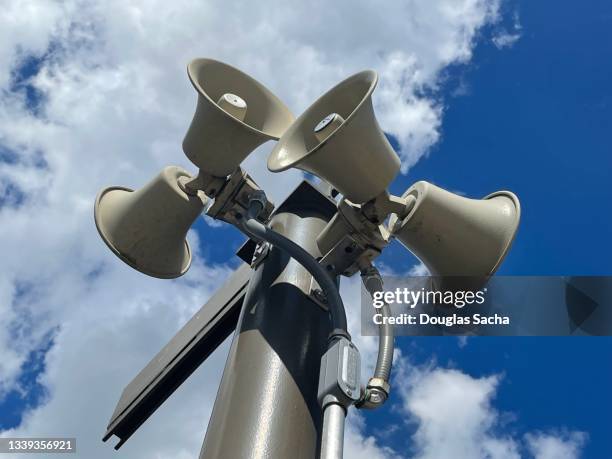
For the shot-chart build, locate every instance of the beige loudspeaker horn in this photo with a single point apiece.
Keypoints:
(147, 228)
(457, 236)
(339, 140)
(234, 115)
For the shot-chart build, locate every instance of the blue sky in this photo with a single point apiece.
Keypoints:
(537, 119)
(534, 117)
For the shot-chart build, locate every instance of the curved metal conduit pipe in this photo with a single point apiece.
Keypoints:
(250, 225)
(378, 388)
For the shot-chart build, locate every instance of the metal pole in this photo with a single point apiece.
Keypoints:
(333, 432)
(267, 405)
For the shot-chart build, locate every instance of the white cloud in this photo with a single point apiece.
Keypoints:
(505, 38)
(454, 414)
(419, 270)
(115, 103)
(455, 417)
(462, 341)
(566, 445)
(359, 445)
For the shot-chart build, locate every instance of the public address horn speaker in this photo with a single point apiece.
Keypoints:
(457, 236)
(339, 140)
(147, 228)
(234, 115)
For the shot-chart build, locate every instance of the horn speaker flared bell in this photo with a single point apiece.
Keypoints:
(457, 236)
(355, 157)
(234, 115)
(147, 228)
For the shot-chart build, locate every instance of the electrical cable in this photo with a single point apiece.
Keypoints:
(373, 283)
(254, 228)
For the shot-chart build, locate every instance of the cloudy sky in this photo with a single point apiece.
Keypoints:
(477, 95)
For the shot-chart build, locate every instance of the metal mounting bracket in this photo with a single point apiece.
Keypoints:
(261, 252)
(233, 199)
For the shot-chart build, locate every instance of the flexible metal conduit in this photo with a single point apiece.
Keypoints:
(258, 230)
(373, 283)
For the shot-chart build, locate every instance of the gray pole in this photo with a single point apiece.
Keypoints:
(333, 432)
(267, 405)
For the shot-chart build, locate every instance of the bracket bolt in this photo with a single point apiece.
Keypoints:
(319, 295)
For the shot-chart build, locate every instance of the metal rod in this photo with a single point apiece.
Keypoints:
(332, 441)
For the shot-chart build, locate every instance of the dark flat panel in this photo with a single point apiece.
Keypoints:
(204, 332)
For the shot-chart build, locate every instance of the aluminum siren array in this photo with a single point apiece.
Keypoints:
(339, 140)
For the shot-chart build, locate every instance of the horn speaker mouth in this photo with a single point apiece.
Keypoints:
(99, 210)
(300, 141)
(504, 233)
(267, 116)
